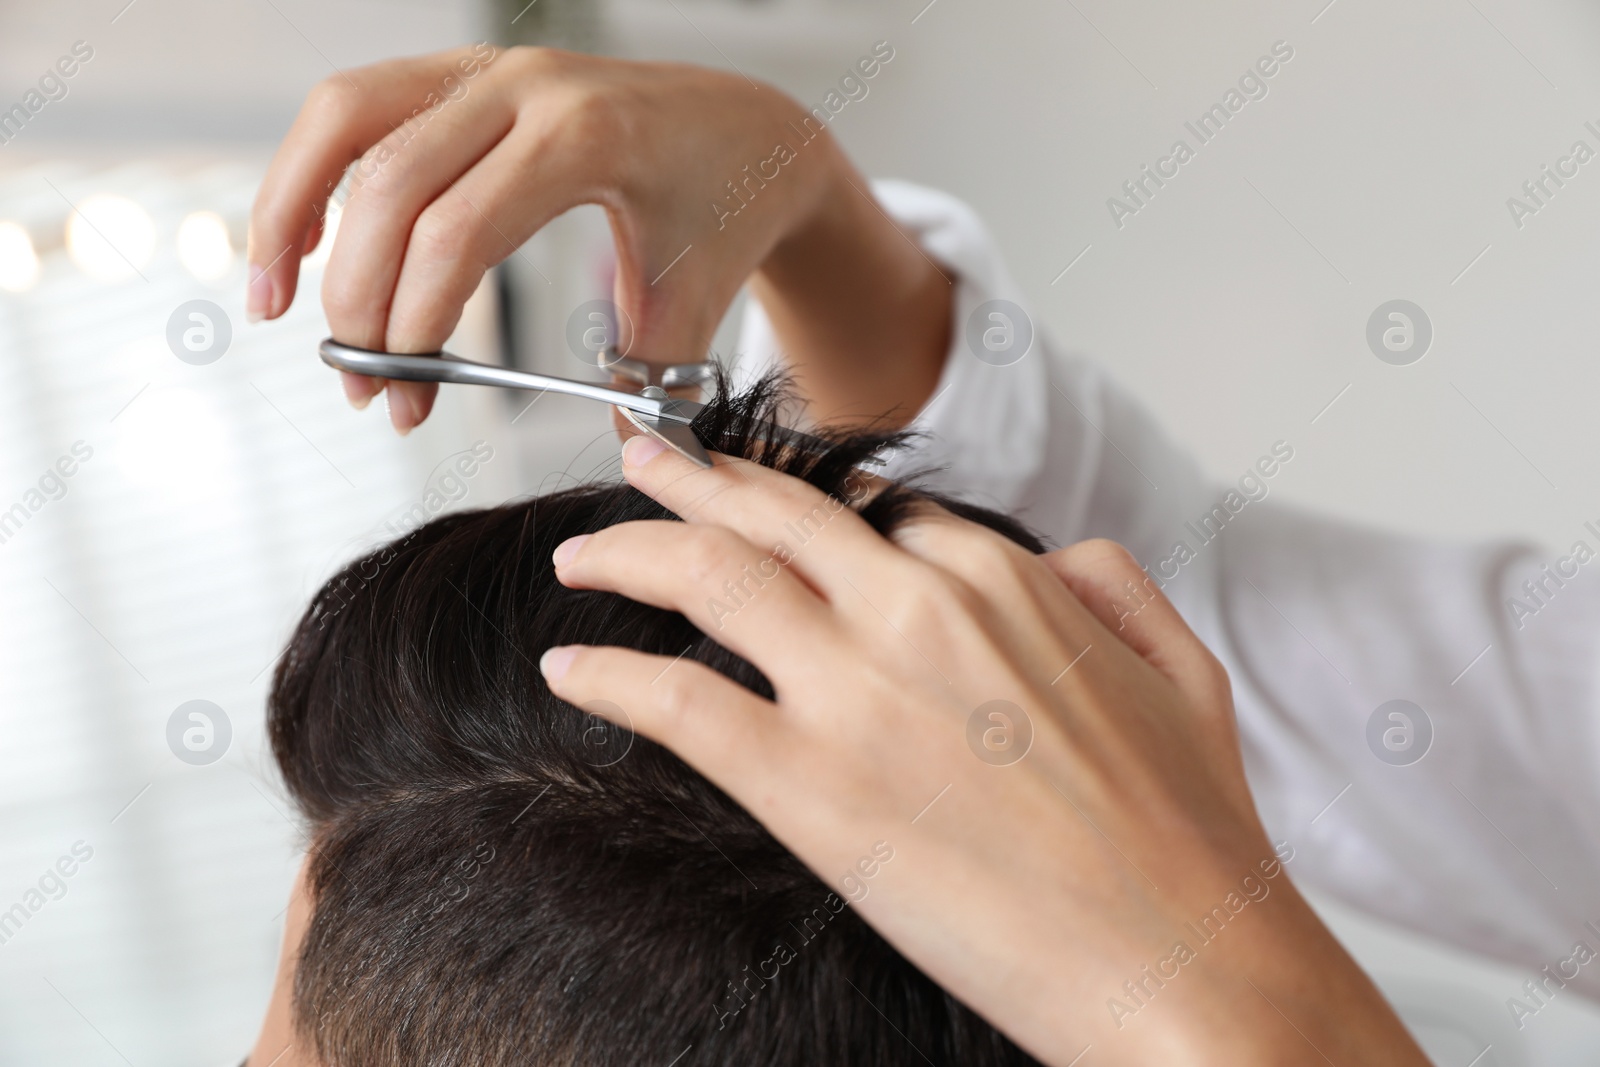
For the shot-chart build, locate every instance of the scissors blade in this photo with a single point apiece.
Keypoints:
(675, 435)
(651, 411)
(444, 367)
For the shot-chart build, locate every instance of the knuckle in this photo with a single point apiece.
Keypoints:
(443, 233)
(344, 309)
(1217, 682)
(1105, 554)
(708, 554)
(976, 553)
(673, 695)
(525, 63)
(526, 60)
(381, 177)
(333, 98)
(1100, 567)
(931, 601)
(989, 556)
(969, 566)
(564, 93)
(591, 110)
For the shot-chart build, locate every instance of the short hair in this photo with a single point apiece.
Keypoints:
(499, 877)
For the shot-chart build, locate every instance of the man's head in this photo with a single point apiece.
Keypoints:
(498, 877)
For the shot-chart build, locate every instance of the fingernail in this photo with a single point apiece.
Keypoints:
(258, 295)
(567, 549)
(555, 662)
(357, 390)
(641, 450)
(402, 416)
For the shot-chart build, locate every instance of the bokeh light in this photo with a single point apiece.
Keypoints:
(110, 238)
(19, 263)
(174, 442)
(203, 246)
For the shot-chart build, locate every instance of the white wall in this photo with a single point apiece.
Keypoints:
(1390, 143)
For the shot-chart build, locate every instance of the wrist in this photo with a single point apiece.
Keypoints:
(1280, 988)
(862, 313)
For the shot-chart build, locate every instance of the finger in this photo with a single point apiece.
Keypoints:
(391, 187)
(482, 216)
(314, 234)
(343, 117)
(825, 542)
(409, 403)
(1037, 619)
(1111, 584)
(712, 723)
(741, 597)
(977, 554)
(359, 389)
(468, 190)
(672, 302)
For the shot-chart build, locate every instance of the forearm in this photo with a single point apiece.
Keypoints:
(860, 311)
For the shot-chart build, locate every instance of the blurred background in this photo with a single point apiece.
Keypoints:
(209, 497)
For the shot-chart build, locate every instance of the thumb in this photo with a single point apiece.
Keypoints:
(670, 292)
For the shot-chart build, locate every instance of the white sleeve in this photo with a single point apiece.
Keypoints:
(1491, 840)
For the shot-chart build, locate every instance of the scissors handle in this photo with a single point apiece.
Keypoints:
(444, 367)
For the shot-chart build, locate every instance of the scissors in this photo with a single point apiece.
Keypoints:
(650, 410)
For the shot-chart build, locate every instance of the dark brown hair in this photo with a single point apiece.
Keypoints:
(501, 878)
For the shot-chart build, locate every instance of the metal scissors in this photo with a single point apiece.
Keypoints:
(650, 410)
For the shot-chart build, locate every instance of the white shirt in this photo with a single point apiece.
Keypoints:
(1491, 840)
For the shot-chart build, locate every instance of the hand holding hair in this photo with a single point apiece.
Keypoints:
(1064, 894)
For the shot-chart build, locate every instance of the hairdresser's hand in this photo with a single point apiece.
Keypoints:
(465, 154)
(1032, 880)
